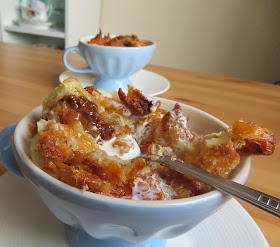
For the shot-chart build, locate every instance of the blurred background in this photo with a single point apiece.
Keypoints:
(234, 38)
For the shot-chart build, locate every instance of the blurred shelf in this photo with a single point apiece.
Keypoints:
(74, 18)
(49, 32)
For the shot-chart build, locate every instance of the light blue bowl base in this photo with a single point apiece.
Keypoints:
(106, 83)
(79, 238)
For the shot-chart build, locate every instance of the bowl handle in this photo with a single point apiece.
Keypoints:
(7, 157)
(70, 67)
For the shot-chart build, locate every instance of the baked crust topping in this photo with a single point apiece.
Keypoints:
(92, 142)
(120, 41)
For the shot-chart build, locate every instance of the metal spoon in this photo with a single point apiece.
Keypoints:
(256, 198)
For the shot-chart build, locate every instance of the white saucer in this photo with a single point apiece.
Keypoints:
(36, 25)
(25, 221)
(148, 82)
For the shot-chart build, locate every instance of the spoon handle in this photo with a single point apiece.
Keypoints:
(256, 198)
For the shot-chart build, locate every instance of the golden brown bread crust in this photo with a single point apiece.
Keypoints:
(215, 153)
(70, 86)
(120, 41)
(76, 120)
(138, 104)
(220, 153)
(250, 139)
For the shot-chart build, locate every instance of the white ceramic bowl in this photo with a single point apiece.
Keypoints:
(119, 222)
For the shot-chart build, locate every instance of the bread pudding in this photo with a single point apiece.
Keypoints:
(119, 41)
(92, 141)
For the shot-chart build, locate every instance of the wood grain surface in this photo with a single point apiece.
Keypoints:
(28, 74)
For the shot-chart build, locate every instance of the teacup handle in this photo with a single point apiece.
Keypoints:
(7, 157)
(70, 67)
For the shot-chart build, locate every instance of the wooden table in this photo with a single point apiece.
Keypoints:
(27, 74)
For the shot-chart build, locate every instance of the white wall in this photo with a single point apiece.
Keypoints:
(237, 38)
